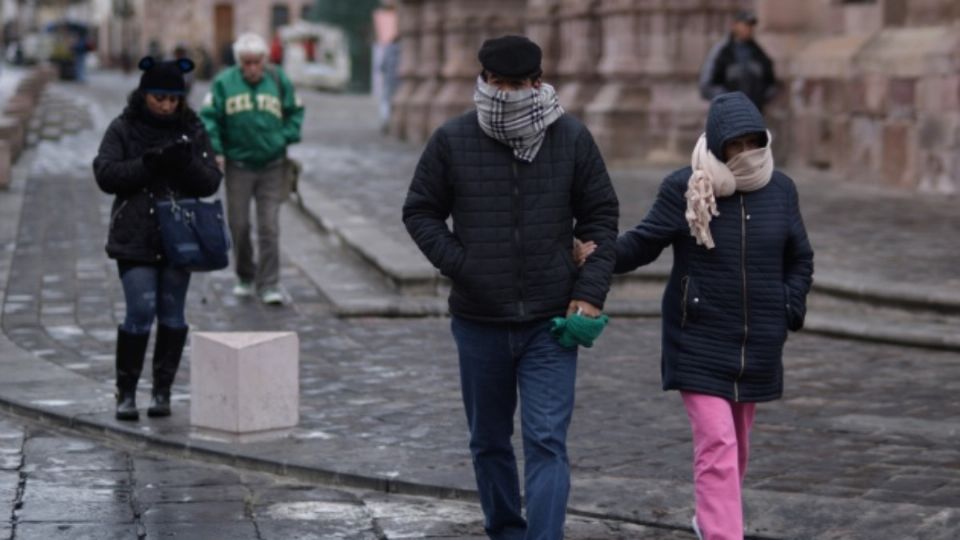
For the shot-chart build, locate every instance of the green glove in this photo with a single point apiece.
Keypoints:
(577, 329)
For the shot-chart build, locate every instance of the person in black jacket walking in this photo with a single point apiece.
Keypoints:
(156, 149)
(520, 178)
(738, 63)
(742, 268)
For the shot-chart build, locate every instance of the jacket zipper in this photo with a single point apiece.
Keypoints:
(743, 271)
(517, 216)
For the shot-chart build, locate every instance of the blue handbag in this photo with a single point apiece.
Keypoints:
(194, 234)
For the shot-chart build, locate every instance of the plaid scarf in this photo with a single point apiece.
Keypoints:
(518, 119)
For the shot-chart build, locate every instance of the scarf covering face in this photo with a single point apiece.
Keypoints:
(712, 178)
(517, 118)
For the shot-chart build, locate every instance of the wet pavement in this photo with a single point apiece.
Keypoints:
(57, 485)
(866, 437)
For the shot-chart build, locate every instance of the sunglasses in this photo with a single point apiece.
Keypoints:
(173, 98)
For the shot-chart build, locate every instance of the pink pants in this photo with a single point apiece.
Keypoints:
(721, 447)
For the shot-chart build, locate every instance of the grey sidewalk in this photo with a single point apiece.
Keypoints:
(864, 441)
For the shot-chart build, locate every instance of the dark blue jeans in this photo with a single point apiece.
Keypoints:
(497, 360)
(153, 291)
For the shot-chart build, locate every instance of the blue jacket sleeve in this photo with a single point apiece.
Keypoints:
(661, 227)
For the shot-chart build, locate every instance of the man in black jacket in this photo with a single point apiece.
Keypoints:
(739, 63)
(520, 179)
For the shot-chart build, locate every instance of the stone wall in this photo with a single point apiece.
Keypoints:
(192, 21)
(870, 90)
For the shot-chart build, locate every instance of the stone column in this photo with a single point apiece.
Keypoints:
(579, 53)
(467, 24)
(649, 107)
(461, 38)
(416, 126)
(618, 115)
(408, 17)
(543, 27)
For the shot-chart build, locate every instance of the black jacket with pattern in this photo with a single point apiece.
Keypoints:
(726, 311)
(509, 253)
(119, 170)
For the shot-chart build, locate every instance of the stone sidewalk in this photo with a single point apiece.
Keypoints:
(865, 439)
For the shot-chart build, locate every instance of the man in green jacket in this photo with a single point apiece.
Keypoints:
(252, 114)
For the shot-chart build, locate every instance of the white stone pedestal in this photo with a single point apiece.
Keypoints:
(242, 382)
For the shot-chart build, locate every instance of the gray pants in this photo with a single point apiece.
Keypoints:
(268, 187)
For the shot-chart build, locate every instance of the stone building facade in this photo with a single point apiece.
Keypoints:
(870, 89)
(211, 25)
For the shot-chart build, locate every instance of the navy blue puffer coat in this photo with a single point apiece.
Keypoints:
(726, 311)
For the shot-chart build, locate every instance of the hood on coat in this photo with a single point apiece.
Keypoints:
(732, 115)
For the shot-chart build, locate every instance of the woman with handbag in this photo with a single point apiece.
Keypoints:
(155, 150)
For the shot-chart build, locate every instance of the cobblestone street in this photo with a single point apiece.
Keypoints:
(867, 438)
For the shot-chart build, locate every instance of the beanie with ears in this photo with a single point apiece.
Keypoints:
(164, 77)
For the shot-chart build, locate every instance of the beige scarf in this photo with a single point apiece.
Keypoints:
(712, 178)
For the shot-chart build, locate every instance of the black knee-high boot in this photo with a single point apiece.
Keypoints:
(166, 360)
(131, 348)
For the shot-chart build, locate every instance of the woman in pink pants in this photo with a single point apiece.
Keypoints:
(742, 267)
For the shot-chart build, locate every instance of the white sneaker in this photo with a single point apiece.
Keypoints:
(696, 529)
(272, 296)
(243, 289)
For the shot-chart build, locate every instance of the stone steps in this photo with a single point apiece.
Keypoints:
(841, 305)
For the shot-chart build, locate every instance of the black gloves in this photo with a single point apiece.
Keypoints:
(171, 158)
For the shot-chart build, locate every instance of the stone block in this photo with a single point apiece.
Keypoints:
(901, 97)
(898, 150)
(242, 382)
(875, 89)
(5, 161)
(784, 15)
(11, 130)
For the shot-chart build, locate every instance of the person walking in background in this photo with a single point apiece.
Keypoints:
(252, 114)
(386, 58)
(519, 178)
(742, 268)
(156, 149)
(80, 47)
(738, 63)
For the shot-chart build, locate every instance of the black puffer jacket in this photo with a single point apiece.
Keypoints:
(726, 311)
(509, 253)
(120, 171)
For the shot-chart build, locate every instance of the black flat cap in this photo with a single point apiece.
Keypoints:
(511, 56)
(746, 16)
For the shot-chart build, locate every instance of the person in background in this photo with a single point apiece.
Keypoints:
(156, 149)
(253, 114)
(738, 63)
(386, 58)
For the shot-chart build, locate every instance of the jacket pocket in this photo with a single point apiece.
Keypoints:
(794, 313)
(689, 301)
(116, 214)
